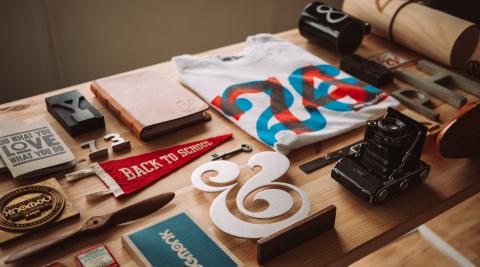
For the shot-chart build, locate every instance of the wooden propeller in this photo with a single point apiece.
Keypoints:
(97, 224)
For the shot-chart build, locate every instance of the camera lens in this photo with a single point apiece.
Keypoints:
(391, 125)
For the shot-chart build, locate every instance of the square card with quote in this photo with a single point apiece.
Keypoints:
(177, 241)
(31, 149)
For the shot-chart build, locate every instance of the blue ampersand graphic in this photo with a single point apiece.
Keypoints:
(327, 94)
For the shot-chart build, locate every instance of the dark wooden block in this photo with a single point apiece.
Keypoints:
(272, 246)
(75, 113)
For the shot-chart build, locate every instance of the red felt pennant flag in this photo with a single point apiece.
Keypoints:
(125, 176)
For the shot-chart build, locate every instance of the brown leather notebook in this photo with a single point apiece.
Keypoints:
(149, 103)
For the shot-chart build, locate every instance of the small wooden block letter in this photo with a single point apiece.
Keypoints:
(94, 151)
(74, 113)
(118, 143)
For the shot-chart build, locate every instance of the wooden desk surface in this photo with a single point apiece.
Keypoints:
(360, 227)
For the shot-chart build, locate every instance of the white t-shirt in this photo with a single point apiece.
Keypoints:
(281, 94)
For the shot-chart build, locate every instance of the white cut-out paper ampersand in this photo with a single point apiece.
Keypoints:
(273, 165)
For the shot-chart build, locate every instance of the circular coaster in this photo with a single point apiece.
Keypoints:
(30, 207)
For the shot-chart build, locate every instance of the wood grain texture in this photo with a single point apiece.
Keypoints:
(437, 35)
(411, 251)
(458, 226)
(295, 234)
(360, 227)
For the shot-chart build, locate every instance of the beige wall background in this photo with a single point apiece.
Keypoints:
(50, 44)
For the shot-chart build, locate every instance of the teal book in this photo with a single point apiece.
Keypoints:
(176, 241)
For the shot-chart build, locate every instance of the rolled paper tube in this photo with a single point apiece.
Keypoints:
(432, 33)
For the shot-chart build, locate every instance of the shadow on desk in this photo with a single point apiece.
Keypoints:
(309, 248)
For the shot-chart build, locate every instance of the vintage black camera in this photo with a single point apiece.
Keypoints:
(388, 161)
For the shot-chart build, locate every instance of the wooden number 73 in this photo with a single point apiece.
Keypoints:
(273, 165)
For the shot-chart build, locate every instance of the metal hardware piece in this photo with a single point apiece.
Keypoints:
(331, 157)
(243, 148)
(435, 85)
(457, 80)
(416, 100)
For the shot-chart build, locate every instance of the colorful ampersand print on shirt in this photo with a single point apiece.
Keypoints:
(328, 94)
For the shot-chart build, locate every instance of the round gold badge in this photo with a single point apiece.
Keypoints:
(30, 207)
